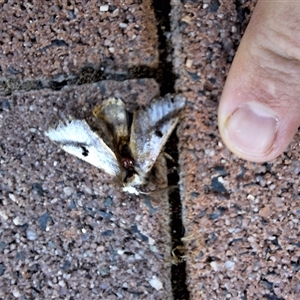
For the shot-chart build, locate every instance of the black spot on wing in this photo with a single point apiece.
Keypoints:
(83, 146)
(158, 133)
(85, 152)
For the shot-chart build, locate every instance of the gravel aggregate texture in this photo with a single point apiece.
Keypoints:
(47, 43)
(241, 219)
(67, 231)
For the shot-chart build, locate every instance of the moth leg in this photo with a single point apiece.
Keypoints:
(169, 157)
(172, 168)
(178, 255)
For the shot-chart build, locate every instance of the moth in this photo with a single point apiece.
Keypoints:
(126, 149)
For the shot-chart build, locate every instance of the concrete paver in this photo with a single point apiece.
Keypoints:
(51, 43)
(67, 232)
(241, 219)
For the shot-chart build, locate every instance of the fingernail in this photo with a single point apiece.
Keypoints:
(252, 128)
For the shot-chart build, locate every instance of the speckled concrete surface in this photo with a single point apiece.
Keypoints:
(67, 232)
(49, 42)
(241, 219)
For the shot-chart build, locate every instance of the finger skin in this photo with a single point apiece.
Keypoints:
(266, 72)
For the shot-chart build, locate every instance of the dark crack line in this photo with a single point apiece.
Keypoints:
(164, 75)
(178, 270)
(166, 78)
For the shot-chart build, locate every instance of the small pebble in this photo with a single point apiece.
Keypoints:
(123, 25)
(87, 190)
(188, 63)
(229, 265)
(186, 19)
(12, 197)
(2, 269)
(5, 105)
(266, 211)
(250, 197)
(104, 7)
(16, 292)
(43, 220)
(3, 215)
(69, 190)
(31, 234)
(18, 221)
(156, 283)
(215, 266)
(62, 283)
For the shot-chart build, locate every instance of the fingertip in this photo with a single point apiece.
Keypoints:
(255, 132)
(251, 130)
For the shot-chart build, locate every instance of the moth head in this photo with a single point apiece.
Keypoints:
(127, 163)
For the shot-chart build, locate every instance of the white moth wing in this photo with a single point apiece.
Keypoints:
(77, 138)
(151, 128)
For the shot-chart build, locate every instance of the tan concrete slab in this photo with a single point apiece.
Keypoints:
(49, 44)
(67, 231)
(241, 219)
